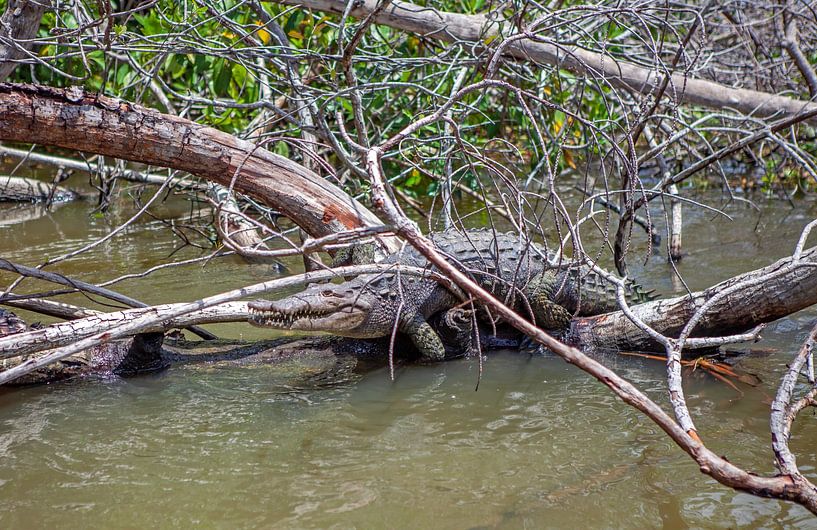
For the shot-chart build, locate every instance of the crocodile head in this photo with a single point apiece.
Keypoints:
(333, 308)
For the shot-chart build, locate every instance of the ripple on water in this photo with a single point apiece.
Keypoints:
(539, 444)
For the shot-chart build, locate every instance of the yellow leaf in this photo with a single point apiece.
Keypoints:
(263, 34)
(490, 38)
(228, 34)
(295, 34)
(557, 127)
(569, 160)
(547, 90)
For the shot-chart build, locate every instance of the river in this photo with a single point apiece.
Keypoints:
(539, 444)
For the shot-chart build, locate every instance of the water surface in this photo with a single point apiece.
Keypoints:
(539, 444)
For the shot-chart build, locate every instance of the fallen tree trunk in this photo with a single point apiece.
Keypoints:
(788, 288)
(478, 29)
(145, 352)
(74, 119)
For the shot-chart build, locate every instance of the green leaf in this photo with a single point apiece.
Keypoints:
(221, 83)
(239, 74)
(177, 66)
(122, 74)
(151, 25)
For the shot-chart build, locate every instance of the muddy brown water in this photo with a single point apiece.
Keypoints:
(539, 444)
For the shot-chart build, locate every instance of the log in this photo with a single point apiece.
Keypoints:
(146, 351)
(74, 119)
(21, 189)
(789, 289)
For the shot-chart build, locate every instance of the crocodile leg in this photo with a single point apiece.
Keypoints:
(424, 338)
(548, 314)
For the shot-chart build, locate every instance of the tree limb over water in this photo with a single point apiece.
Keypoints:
(73, 119)
(528, 46)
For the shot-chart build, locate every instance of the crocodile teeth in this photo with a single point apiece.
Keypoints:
(280, 319)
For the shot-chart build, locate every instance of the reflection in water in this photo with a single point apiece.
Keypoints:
(539, 445)
(13, 214)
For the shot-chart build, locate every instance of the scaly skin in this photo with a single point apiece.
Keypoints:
(509, 267)
(11, 323)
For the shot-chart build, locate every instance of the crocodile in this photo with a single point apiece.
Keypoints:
(509, 266)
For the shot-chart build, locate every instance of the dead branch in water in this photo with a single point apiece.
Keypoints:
(79, 334)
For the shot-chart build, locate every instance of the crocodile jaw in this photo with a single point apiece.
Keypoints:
(295, 314)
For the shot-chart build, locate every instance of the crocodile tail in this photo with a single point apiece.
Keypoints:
(636, 294)
(591, 294)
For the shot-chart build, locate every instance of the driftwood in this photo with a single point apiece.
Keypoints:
(146, 351)
(788, 289)
(96, 332)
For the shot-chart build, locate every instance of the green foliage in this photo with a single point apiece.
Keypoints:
(189, 52)
(214, 61)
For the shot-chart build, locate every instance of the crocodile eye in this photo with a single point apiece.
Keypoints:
(328, 292)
